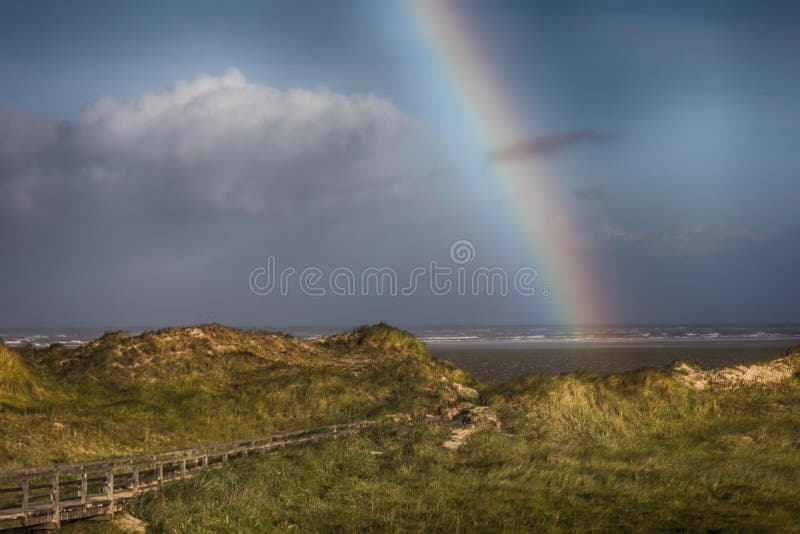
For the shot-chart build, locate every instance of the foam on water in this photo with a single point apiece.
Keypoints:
(547, 335)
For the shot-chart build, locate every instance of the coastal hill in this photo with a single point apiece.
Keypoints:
(653, 450)
(176, 387)
(18, 382)
(673, 449)
(219, 354)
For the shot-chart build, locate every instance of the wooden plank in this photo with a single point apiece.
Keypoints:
(84, 486)
(25, 495)
(55, 497)
(110, 484)
(141, 458)
(54, 490)
(54, 511)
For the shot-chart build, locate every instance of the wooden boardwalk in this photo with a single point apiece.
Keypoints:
(43, 497)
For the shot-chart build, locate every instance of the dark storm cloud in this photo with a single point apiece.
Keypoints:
(589, 193)
(208, 147)
(549, 144)
(154, 210)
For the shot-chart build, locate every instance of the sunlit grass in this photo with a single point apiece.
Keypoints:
(576, 453)
(640, 451)
(173, 388)
(635, 464)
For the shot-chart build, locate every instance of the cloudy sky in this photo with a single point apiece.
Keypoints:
(154, 155)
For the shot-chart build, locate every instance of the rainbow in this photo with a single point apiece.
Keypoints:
(538, 205)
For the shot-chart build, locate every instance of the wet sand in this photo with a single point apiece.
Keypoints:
(496, 362)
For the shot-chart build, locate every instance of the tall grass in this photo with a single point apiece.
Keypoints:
(638, 452)
(173, 388)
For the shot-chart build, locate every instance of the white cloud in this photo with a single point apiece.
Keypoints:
(211, 145)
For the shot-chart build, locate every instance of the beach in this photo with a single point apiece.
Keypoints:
(499, 361)
(499, 353)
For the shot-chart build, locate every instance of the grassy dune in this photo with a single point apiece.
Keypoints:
(179, 387)
(641, 452)
(676, 449)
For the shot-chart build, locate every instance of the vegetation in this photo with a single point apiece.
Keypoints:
(648, 450)
(178, 387)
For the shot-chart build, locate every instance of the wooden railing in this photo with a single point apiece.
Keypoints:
(46, 496)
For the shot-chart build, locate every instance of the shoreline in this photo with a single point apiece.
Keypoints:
(501, 361)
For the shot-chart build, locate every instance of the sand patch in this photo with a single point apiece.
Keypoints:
(738, 375)
(129, 524)
(466, 392)
(466, 420)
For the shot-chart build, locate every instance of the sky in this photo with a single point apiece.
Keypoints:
(155, 155)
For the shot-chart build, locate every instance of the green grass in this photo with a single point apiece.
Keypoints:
(640, 451)
(596, 456)
(181, 387)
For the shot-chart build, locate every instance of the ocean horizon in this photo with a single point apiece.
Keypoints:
(496, 353)
(512, 334)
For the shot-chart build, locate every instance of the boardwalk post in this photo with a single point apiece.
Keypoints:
(205, 462)
(84, 486)
(135, 475)
(110, 492)
(160, 474)
(110, 484)
(55, 497)
(54, 488)
(26, 495)
(183, 468)
(225, 458)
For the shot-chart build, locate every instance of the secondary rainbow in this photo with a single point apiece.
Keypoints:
(538, 204)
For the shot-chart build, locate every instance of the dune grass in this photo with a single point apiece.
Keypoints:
(174, 388)
(637, 452)
(642, 451)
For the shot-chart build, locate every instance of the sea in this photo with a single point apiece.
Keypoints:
(497, 353)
